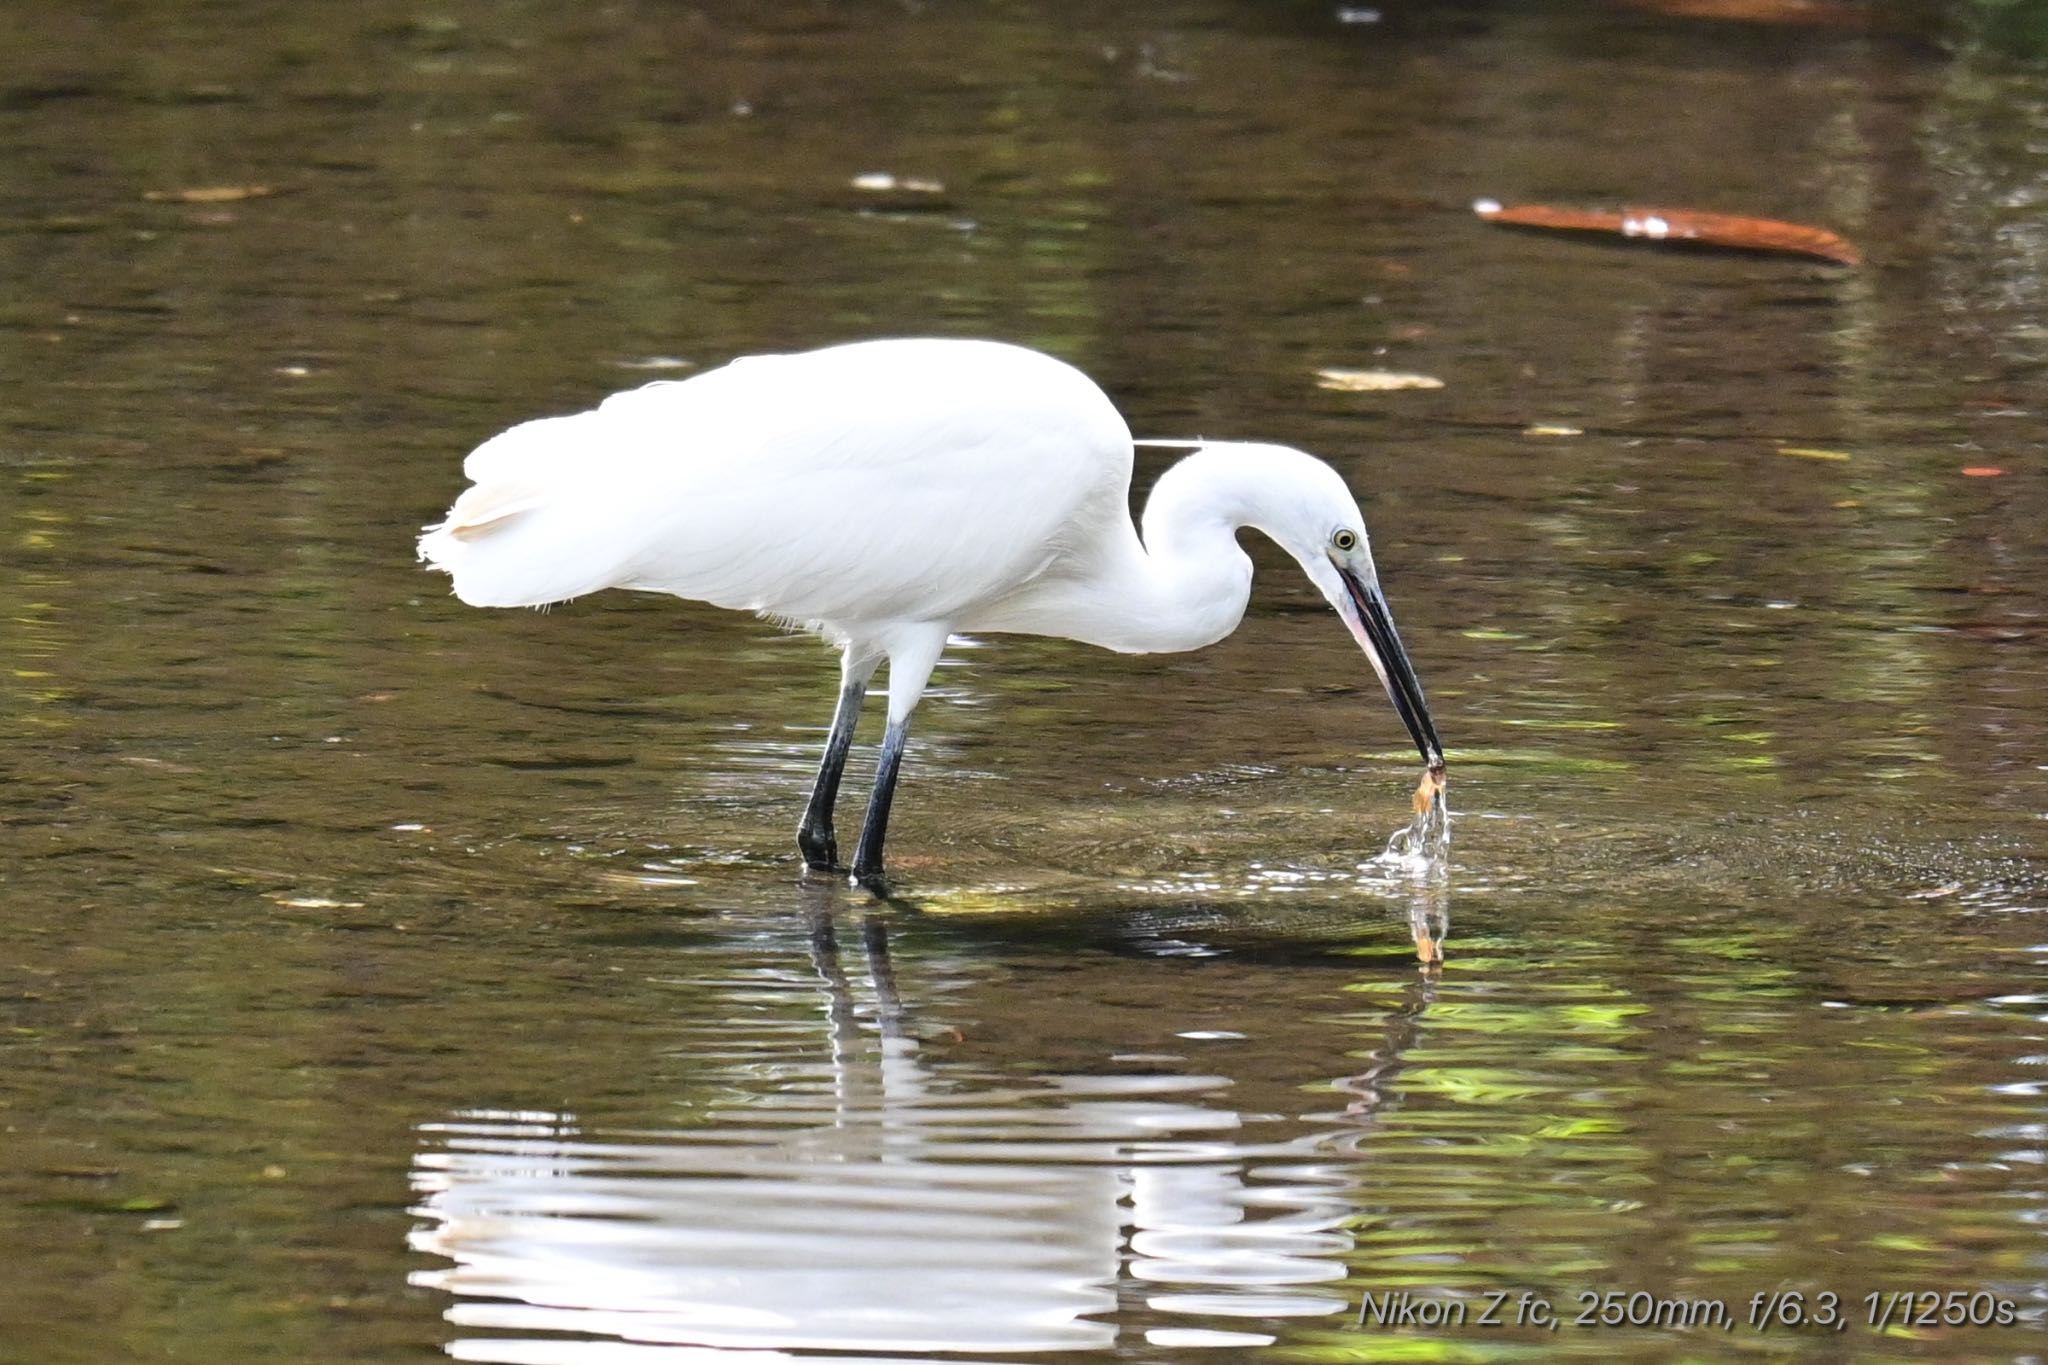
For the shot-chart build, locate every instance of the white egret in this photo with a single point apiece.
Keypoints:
(887, 494)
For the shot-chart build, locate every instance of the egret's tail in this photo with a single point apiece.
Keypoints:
(473, 547)
(523, 534)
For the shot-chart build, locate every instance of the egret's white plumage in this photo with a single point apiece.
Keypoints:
(890, 493)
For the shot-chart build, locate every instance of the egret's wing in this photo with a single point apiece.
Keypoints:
(883, 480)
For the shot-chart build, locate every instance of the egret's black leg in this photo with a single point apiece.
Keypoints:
(867, 859)
(814, 836)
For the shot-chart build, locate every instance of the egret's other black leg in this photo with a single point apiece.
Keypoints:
(814, 836)
(913, 652)
(867, 859)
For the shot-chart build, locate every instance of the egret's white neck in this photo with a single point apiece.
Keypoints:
(1186, 585)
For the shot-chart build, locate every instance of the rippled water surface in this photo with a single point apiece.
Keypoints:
(383, 979)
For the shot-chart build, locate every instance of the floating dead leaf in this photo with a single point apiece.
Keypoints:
(1813, 453)
(1679, 227)
(141, 1203)
(315, 903)
(144, 761)
(209, 194)
(1552, 429)
(1982, 471)
(1374, 381)
(1806, 13)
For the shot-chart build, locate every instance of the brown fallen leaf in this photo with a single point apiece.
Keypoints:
(1374, 381)
(209, 194)
(1692, 227)
(1811, 13)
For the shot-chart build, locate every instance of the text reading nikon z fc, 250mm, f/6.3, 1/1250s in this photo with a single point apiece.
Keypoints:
(1766, 1310)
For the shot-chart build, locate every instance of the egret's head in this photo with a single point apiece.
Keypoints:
(1307, 508)
(1317, 520)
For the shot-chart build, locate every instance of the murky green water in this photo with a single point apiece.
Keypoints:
(382, 978)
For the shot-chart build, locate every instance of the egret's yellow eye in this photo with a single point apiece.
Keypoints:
(1346, 540)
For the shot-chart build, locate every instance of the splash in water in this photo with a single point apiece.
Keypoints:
(1423, 849)
(1420, 857)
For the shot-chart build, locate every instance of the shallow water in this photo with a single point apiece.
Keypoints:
(382, 978)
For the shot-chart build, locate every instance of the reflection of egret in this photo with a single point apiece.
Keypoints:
(889, 493)
(868, 1201)
(1371, 1090)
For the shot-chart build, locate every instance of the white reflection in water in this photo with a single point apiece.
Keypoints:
(882, 1207)
(742, 1246)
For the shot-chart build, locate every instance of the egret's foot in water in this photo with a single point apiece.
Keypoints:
(878, 883)
(874, 830)
(814, 835)
(820, 849)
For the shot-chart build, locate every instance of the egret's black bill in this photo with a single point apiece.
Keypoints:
(1390, 661)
